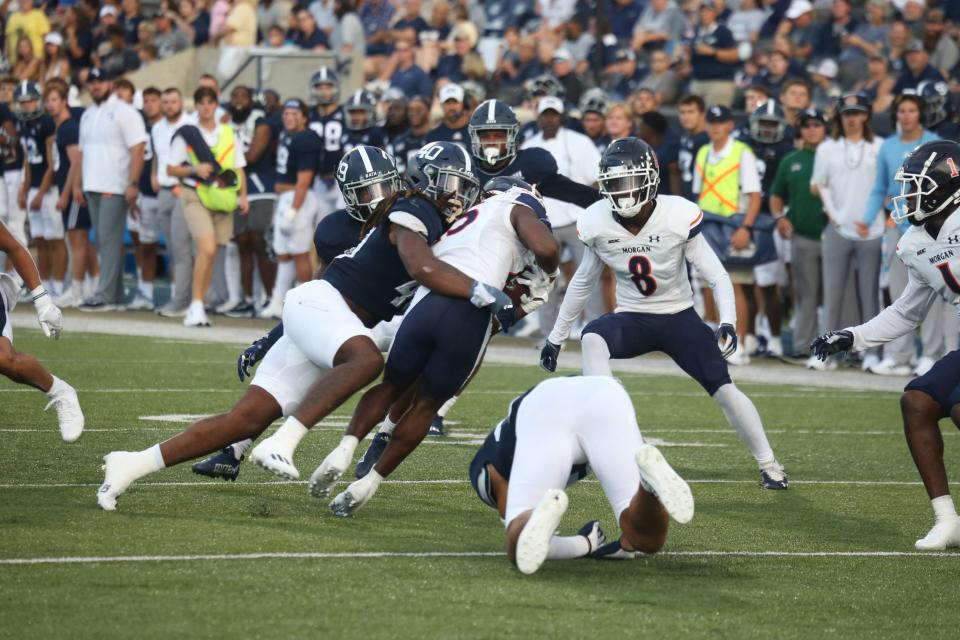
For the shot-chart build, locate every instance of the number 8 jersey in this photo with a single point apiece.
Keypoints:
(650, 266)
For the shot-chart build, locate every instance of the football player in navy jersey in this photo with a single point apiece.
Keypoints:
(938, 110)
(36, 131)
(326, 119)
(360, 122)
(295, 215)
(770, 141)
(11, 163)
(692, 113)
(406, 145)
(66, 167)
(326, 352)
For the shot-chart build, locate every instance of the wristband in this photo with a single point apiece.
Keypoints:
(38, 293)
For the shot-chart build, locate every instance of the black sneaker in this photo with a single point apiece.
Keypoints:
(241, 310)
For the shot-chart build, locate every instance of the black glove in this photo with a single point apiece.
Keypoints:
(831, 343)
(254, 353)
(727, 336)
(549, 355)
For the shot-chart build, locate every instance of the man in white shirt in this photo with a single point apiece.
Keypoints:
(112, 141)
(179, 246)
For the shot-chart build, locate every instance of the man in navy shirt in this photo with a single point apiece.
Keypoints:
(453, 127)
(622, 16)
(408, 27)
(408, 77)
(918, 69)
(713, 58)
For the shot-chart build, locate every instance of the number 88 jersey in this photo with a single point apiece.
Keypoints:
(650, 266)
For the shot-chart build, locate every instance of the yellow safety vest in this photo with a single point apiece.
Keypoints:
(720, 194)
(214, 197)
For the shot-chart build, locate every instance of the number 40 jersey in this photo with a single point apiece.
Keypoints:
(650, 267)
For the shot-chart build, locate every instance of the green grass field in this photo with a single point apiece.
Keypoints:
(832, 557)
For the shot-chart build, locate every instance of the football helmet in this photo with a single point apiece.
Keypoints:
(594, 100)
(493, 115)
(936, 105)
(768, 123)
(929, 182)
(360, 101)
(366, 175)
(27, 91)
(505, 183)
(629, 175)
(325, 86)
(445, 167)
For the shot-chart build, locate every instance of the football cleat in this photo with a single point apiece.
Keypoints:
(329, 471)
(372, 454)
(613, 551)
(773, 477)
(436, 426)
(594, 535)
(223, 465)
(355, 496)
(270, 456)
(69, 414)
(671, 490)
(118, 476)
(945, 533)
(534, 541)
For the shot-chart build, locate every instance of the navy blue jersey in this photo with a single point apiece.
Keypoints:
(443, 133)
(602, 143)
(336, 234)
(373, 275)
(403, 146)
(498, 450)
(667, 152)
(295, 153)
(687, 154)
(68, 134)
(330, 128)
(538, 167)
(262, 174)
(146, 187)
(11, 154)
(33, 139)
(531, 128)
(768, 159)
(947, 130)
(372, 136)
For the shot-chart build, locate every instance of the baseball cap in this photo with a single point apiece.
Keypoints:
(812, 114)
(98, 73)
(719, 113)
(853, 103)
(827, 67)
(298, 104)
(550, 102)
(451, 91)
(915, 45)
(53, 38)
(798, 8)
(109, 10)
(562, 54)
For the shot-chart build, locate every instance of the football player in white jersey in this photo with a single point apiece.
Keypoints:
(929, 199)
(556, 434)
(647, 240)
(441, 341)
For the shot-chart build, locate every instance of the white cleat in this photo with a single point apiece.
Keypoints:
(270, 456)
(534, 541)
(671, 490)
(944, 534)
(349, 501)
(118, 477)
(69, 414)
(329, 471)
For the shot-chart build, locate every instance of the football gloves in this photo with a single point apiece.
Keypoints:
(549, 355)
(287, 222)
(830, 343)
(484, 296)
(253, 354)
(727, 338)
(49, 316)
(540, 284)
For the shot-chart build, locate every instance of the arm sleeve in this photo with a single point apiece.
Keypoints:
(566, 190)
(900, 318)
(875, 201)
(581, 286)
(708, 265)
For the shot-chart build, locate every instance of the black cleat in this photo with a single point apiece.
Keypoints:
(223, 465)
(436, 427)
(372, 454)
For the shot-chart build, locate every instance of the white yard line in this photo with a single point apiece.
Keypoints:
(321, 555)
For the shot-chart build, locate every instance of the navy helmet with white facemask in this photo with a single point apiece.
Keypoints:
(629, 175)
(929, 182)
(493, 115)
(366, 176)
(442, 168)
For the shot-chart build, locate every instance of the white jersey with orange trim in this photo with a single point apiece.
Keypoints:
(650, 267)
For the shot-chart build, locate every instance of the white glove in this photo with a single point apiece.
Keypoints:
(540, 284)
(287, 221)
(50, 317)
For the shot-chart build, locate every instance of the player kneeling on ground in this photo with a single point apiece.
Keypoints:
(929, 199)
(554, 435)
(24, 368)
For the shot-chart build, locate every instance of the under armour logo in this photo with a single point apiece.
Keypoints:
(653, 238)
(953, 240)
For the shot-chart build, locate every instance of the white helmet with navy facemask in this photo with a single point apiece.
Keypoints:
(629, 175)
(445, 168)
(929, 182)
(366, 176)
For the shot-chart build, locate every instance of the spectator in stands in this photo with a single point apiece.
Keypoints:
(408, 77)
(275, 13)
(661, 80)
(453, 65)
(517, 68)
(578, 41)
(27, 21)
(712, 58)
(619, 121)
(799, 29)
(55, 63)
(825, 88)
(409, 26)
(193, 20)
(944, 53)
(912, 13)
(130, 18)
(453, 127)
(166, 39)
(28, 66)
(898, 37)
(831, 35)
(218, 16)
(868, 37)
(239, 29)
(79, 43)
(376, 15)
(109, 16)
(918, 69)
(794, 98)
(623, 76)
(347, 36)
(145, 34)
(745, 23)
(660, 26)
(120, 58)
(555, 13)
(622, 15)
(308, 35)
(642, 101)
(776, 71)
(563, 69)
(878, 84)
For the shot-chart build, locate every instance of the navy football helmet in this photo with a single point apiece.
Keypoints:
(445, 167)
(629, 175)
(27, 91)
(366, 176)
(360, 102)
(505, 183)
(936, 104)
(493, 116)
(768, 123)
(325, 86)
(929, 182)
